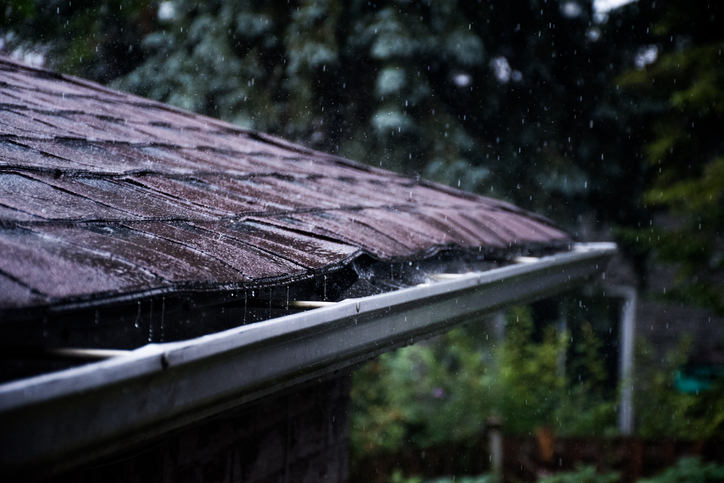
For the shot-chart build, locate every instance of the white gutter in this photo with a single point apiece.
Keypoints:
(56, 421)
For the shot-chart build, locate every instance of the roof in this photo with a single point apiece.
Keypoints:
(103, 193)
(56, 421)
(110, 203)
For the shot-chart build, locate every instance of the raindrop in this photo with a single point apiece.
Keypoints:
(246, 302)
(150, 322)
(137, 324)
(163, 314)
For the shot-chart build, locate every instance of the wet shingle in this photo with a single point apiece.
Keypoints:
(105, 193)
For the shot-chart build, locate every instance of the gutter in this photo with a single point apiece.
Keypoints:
(60, 420)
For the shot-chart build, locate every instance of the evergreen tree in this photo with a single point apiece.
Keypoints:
(685, 154)
(510, 99)
(97, 40)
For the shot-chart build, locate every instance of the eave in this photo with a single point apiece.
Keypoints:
(57, 421)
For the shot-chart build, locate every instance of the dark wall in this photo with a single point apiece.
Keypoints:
(296, 437)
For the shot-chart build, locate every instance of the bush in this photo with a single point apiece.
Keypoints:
(663, 411)
(443, 390)
(689, 470)
(582, 474)
(398, 478)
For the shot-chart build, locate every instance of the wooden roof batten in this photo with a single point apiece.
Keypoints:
(163, 241)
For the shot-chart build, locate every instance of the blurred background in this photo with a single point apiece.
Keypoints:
(604, 116)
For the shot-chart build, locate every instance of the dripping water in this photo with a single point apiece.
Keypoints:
(150, 322)
(137, 323)
(163, 313)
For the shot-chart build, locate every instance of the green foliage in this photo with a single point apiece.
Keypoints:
(664, 411)
(410, 86)
(463, 479)
(686, 470)
(685, 156)
(444, 390)
(582, 474)
(530, 381)
(533, 390)
(424, 394)
(689, 470)
(397, 477)
(99, 40)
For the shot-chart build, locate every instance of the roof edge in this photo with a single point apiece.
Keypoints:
(157, 388)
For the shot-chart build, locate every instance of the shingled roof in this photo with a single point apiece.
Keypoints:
(103, 193)
(155, 238)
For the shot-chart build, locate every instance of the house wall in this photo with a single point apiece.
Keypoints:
(299, 436)
(664, 325)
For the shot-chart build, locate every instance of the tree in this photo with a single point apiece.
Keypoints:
(509, 99)
(685, 155)
(98, 40)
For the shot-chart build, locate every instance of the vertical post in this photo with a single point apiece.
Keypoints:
(495, 443)
(494, 423)
(499, 326)
(626, 361)
(562, 327)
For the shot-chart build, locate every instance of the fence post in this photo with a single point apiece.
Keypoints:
(495, 446)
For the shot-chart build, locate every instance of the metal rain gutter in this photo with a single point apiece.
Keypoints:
(59, 420)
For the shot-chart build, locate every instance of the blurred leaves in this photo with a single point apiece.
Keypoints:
(685, 155)
(582, 474)
(99, 40)
(408, 86)
(445, 390)
(666, 412)
(689, 470)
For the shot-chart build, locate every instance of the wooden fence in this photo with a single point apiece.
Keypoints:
(529, 458)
